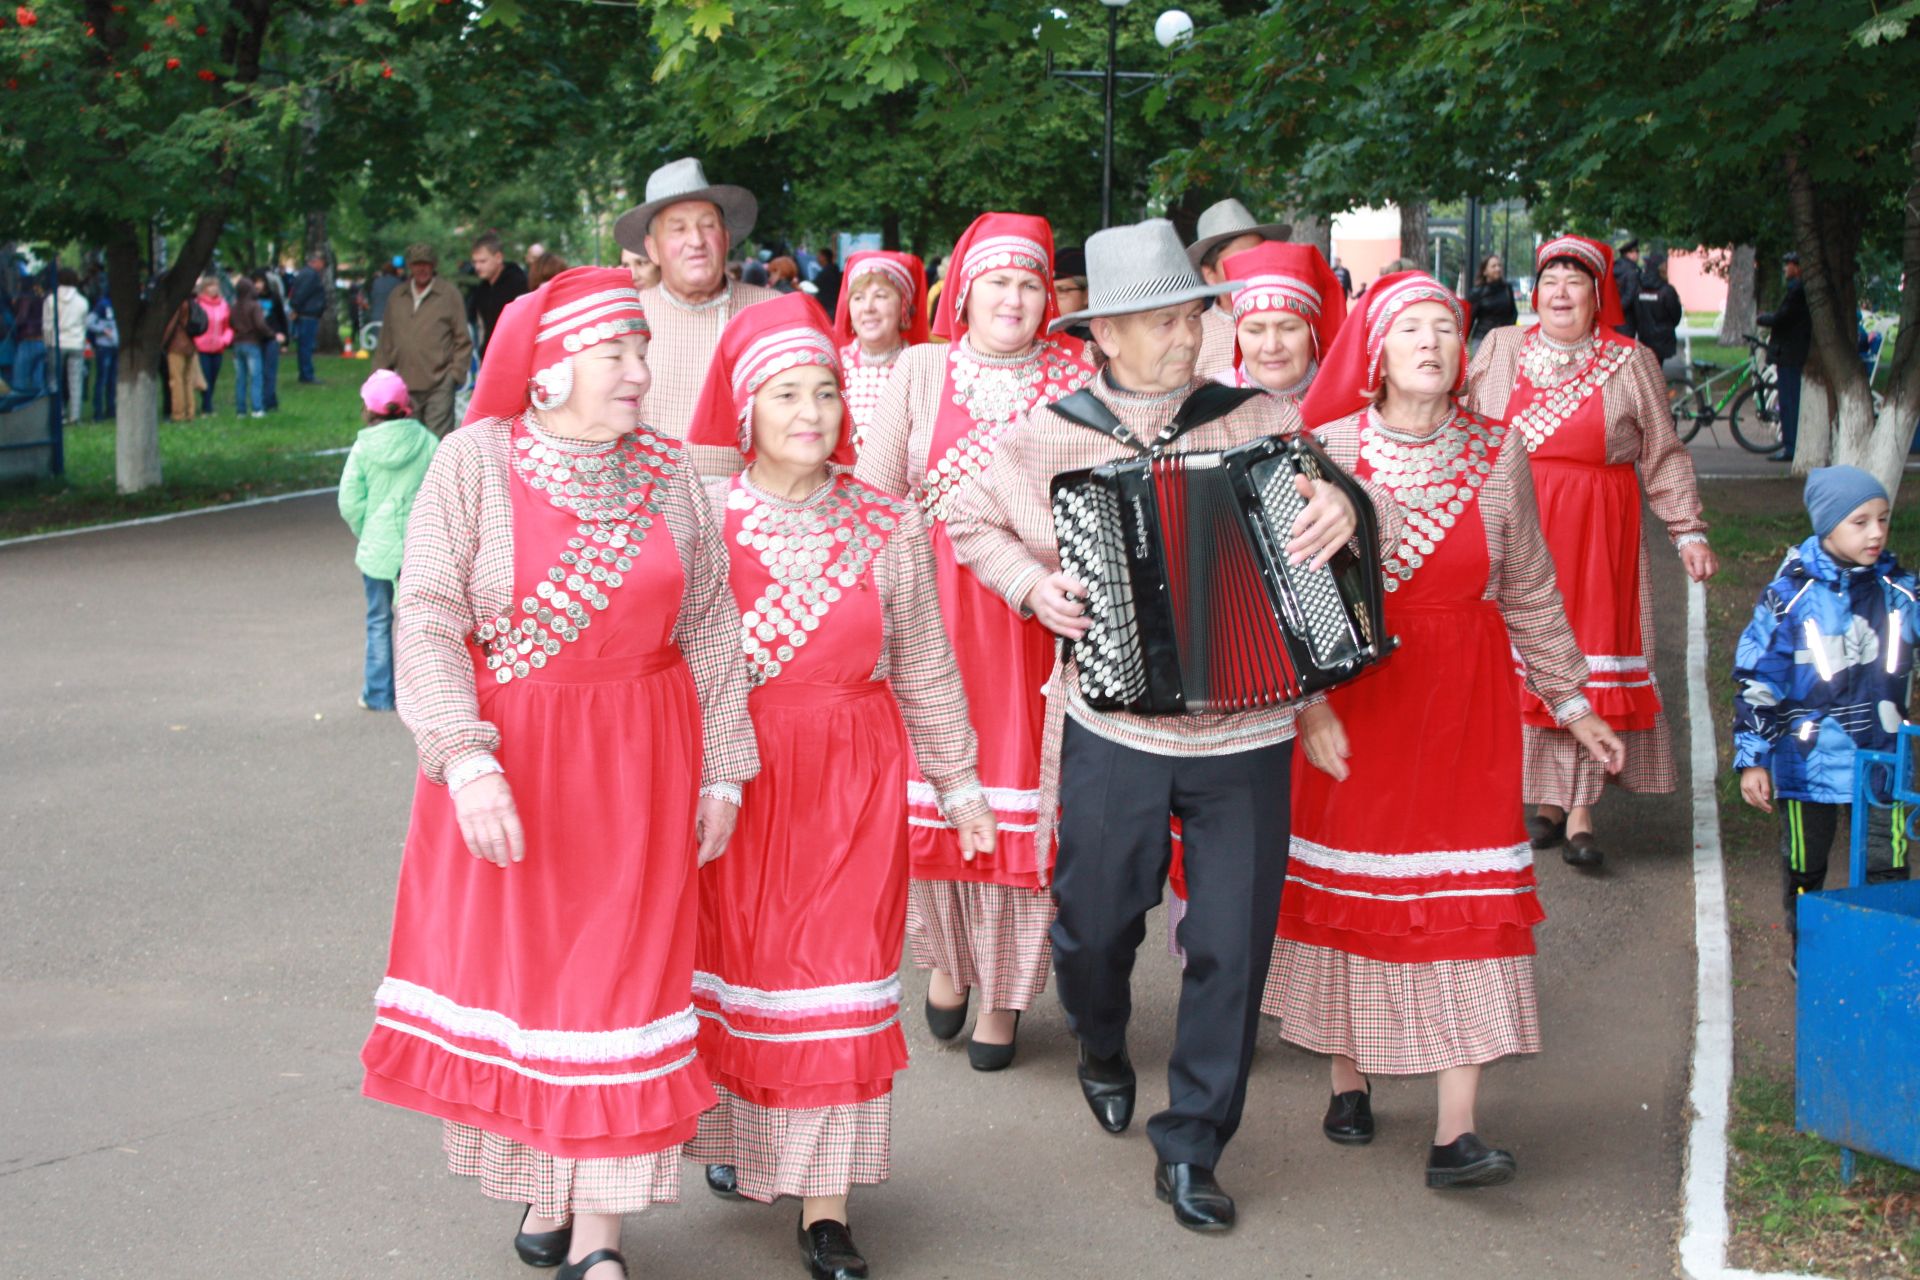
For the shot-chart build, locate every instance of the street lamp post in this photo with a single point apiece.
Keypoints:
(1170, 29)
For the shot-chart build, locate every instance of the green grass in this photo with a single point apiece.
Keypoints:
(1784, 1189)
(207, 462)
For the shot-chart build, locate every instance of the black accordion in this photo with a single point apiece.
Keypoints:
(1193, 604)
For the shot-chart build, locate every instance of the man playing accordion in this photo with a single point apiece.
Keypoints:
(1113, 776)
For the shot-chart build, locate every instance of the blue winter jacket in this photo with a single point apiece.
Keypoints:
(1822, 669)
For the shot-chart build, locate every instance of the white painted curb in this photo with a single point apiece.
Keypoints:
(162, 519)
(1703, 1239)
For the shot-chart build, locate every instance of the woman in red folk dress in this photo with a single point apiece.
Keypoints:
(569, 665)
(1405, 943)
(801, 924)
(1590, 407)
(981, 923)
(1286, 313)
(882, 311)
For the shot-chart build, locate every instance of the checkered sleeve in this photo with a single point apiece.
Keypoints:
(433, 613)
(709, 636)
(1491, 374)
(1001, 525)
(924, 675)
(882, 463)
(1528, 597)
(1666, 467)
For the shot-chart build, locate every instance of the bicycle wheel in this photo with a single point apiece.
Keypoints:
(1755, 420)
(1689, 408)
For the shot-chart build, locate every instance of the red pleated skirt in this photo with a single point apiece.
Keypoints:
(547, 1001)
(803, 919)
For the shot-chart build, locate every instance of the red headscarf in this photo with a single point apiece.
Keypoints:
(995, 242)
(1281, 276)
(1596, 260)
(908, 276)
(539, 333)
(1350, 375)
(763, 340)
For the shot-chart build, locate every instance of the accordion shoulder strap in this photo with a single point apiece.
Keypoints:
(1208, 403)
(1084, 408)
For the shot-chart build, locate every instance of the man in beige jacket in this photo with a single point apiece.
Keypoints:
(424, 339)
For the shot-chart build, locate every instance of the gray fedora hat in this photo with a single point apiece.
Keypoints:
(684, 179)
(1138, 268)
(1226, 220)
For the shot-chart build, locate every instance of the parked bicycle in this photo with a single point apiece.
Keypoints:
(1744, 395)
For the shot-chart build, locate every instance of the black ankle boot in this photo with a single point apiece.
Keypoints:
(830, 1251)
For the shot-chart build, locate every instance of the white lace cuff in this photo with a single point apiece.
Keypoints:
(1572, 709)
(477, 765)
(1688, 539)
(961, 803)
(728, 791)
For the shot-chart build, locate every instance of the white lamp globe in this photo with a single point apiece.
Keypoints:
(1172, 27)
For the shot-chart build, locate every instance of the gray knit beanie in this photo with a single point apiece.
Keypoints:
(1834, 493)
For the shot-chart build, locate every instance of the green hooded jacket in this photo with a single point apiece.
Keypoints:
(384, 470)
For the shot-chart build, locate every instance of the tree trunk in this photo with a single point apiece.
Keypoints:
(1814, 444)
(329, 342)
(1827, 227)
(1737, 320)
(1311, 228)
(136, 460)
(1414, 243)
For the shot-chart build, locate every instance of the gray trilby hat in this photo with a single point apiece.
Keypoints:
(1226, 220)
(684, 179)
(1138, 268)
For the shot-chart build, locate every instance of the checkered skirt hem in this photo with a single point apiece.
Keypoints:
(1402, 1019)
(992, 938)
(1560, 772)
(555, 1186)
(813, 1151)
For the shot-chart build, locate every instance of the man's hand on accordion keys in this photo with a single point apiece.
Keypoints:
(1060, 602)
(1324, 527)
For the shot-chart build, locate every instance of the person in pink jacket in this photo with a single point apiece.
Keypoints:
(214, 341)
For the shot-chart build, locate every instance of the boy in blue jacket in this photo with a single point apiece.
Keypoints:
(1822, 672)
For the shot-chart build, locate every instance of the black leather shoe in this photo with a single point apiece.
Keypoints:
(830, 1251)
(723, 1181)
(578, 1270)
(1350, 1118)
(1545, 834)
(1469, 1162)
(1198, 1202)
(541, 1248)
(1108, 1086)
(994, 1057)
(945, 1023)
(1583, 851)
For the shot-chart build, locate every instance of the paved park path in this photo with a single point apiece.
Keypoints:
(201, 838)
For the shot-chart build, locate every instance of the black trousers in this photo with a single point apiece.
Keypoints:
(1807, 829)
(1112, 864)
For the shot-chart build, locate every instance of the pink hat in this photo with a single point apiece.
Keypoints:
(383, 391)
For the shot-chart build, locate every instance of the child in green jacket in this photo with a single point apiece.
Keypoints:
(384, 470)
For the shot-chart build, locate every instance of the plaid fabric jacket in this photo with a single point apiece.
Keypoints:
(1002, 529)
(678, 354)
(458, 571)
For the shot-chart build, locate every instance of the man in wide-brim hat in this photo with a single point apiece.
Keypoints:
(686, 227)
(1225, 227)
(1114, 777)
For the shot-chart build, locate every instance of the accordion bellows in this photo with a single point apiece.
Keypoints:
(1193, 604)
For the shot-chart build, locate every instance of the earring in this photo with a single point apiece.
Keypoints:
(549, 388)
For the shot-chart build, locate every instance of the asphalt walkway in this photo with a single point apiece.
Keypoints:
(202, 836)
